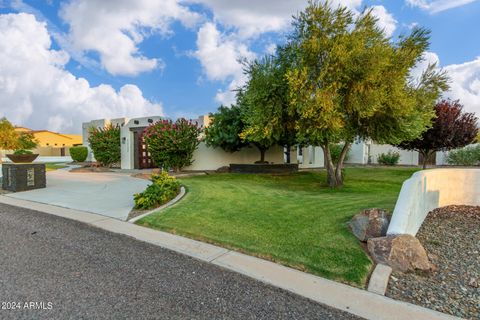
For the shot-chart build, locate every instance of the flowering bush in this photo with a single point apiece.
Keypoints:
(163, 189)
(171, 144)
(105, 144)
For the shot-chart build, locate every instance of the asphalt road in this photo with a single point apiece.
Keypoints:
(54, 268)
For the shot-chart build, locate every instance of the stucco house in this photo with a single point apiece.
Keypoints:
(52, 143)
(135, 154)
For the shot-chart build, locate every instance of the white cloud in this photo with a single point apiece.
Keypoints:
(386, 20)
(464, 80)
(428, 58)
(37, 91)
(252, 17)
(434, 6)
(220, 55)
(114, 28)
(465, 84)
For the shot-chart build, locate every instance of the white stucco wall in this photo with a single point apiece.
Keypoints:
(206, 158)
(406, 157)
(312, 158)
(358, 153)
(430, 189)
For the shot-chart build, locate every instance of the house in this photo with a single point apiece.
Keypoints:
(52, 143)
(135, 154)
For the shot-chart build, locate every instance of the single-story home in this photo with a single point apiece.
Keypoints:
(135, 154)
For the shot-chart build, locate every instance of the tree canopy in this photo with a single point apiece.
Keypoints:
(451, 128)
(8, 136)
(265, 100)
(225, 128)
(350, 80)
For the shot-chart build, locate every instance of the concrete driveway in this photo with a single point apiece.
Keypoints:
(108, 194)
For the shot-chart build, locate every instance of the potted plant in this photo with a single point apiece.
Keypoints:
(23, 154)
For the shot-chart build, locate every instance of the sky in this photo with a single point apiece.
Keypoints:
(67, 62)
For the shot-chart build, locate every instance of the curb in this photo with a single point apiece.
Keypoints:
(168, 204)
(379, 279)
(356, 301)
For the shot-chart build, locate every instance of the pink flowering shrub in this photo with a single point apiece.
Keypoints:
(171, 144)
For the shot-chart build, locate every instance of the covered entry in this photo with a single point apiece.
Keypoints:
(135, 153)
(141, 157)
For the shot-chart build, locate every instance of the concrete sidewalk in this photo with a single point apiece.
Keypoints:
(107, 194)
(356, 301)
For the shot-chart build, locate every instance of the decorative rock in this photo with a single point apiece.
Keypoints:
(401, 252)
(370, 223)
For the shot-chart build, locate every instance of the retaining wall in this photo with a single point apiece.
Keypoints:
(430, 189)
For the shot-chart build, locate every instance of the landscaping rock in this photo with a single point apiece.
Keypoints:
(401, 252)
(452, 238)
(370, 223)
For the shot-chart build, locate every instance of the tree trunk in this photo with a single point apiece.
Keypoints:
(425, 154)
(341, 159)
(331, 177)
(262, 150)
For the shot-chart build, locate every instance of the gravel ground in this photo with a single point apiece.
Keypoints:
(451, 236)
(89, 273)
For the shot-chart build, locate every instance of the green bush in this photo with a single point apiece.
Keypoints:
(390, 158)
(335, 150)
(468, 156)
(171, 144)
(163, 189)
(105, 144)
(27, 141)
(22, 152)
(79, 154)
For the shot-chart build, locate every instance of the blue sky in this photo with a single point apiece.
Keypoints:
(64, 62)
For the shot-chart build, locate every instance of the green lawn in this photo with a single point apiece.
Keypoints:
(295, 220)
(54, 166)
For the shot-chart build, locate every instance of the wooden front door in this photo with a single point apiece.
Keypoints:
(145, 160)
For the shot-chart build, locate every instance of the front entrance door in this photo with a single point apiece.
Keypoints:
(142, 158)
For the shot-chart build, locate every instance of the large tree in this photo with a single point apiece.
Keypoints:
(350, 80)
(451, 129)
(265, 101)
(225, 128)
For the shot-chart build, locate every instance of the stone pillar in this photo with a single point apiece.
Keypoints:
(23, 176)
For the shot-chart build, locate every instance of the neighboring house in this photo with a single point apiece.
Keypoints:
(52, 143)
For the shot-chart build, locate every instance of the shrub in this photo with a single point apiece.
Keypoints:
(22, 151)
(171, 145)
(468, 156)
(105, 144)
(27, 141)
(163, 189)
(335, 150)
(79, 154)
(390, 158)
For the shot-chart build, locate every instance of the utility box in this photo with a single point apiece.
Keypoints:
(23, 176)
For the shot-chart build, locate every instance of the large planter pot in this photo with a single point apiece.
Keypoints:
(22, 158)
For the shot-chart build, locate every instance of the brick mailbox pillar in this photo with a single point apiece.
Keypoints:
(23, 176)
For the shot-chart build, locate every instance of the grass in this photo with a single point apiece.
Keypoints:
(295, 220)
(54, 166)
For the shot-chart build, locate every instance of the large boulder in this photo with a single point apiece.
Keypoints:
(370, 223)
(402, 252)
